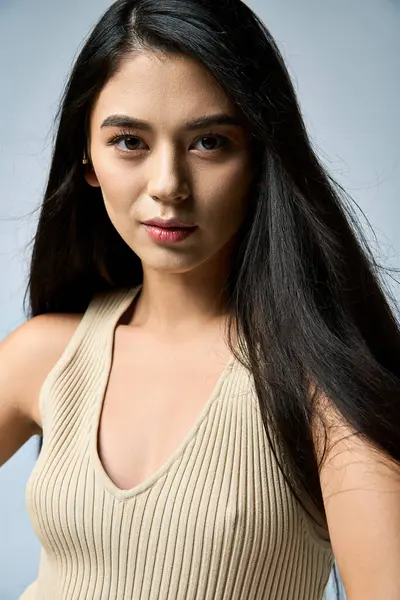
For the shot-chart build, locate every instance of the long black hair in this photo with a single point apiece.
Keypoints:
(304, 288)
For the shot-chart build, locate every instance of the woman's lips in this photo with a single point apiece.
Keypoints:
(168, 234)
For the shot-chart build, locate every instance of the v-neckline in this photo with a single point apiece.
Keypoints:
(125, 494)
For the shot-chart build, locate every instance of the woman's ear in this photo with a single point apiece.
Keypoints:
(91, 176)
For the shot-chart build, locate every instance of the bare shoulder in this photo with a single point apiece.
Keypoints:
(30, 352)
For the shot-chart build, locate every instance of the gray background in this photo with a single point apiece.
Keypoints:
(343, 56)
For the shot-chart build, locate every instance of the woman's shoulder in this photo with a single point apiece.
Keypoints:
(31, 352)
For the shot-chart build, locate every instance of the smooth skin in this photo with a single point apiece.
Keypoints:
(170, 171)
(166, 170)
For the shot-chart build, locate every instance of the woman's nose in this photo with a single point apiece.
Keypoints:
(168, 178)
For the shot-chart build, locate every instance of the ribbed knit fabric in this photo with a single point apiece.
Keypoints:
(215, 522)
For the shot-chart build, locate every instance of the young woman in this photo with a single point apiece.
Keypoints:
(211, 359)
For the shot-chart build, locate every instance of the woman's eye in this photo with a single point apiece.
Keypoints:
(131, 143)
(209, 140)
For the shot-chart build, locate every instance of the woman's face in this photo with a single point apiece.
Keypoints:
(165, 168)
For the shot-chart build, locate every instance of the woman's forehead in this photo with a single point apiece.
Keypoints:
(157, 87)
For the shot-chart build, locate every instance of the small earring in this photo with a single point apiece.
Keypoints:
(85, 159)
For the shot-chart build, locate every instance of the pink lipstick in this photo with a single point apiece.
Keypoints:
(168, 231)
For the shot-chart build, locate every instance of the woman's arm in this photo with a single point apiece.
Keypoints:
(17, 360)
(26, 357)
(361, 491)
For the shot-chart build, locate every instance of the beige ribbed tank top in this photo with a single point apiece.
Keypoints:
(215, 522)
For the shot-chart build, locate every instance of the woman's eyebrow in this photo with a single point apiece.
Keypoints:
(207, 121)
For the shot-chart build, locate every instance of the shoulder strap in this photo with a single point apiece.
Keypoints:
(89, 338)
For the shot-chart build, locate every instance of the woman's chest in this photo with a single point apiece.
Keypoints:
(152, 403)
(213, 492)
